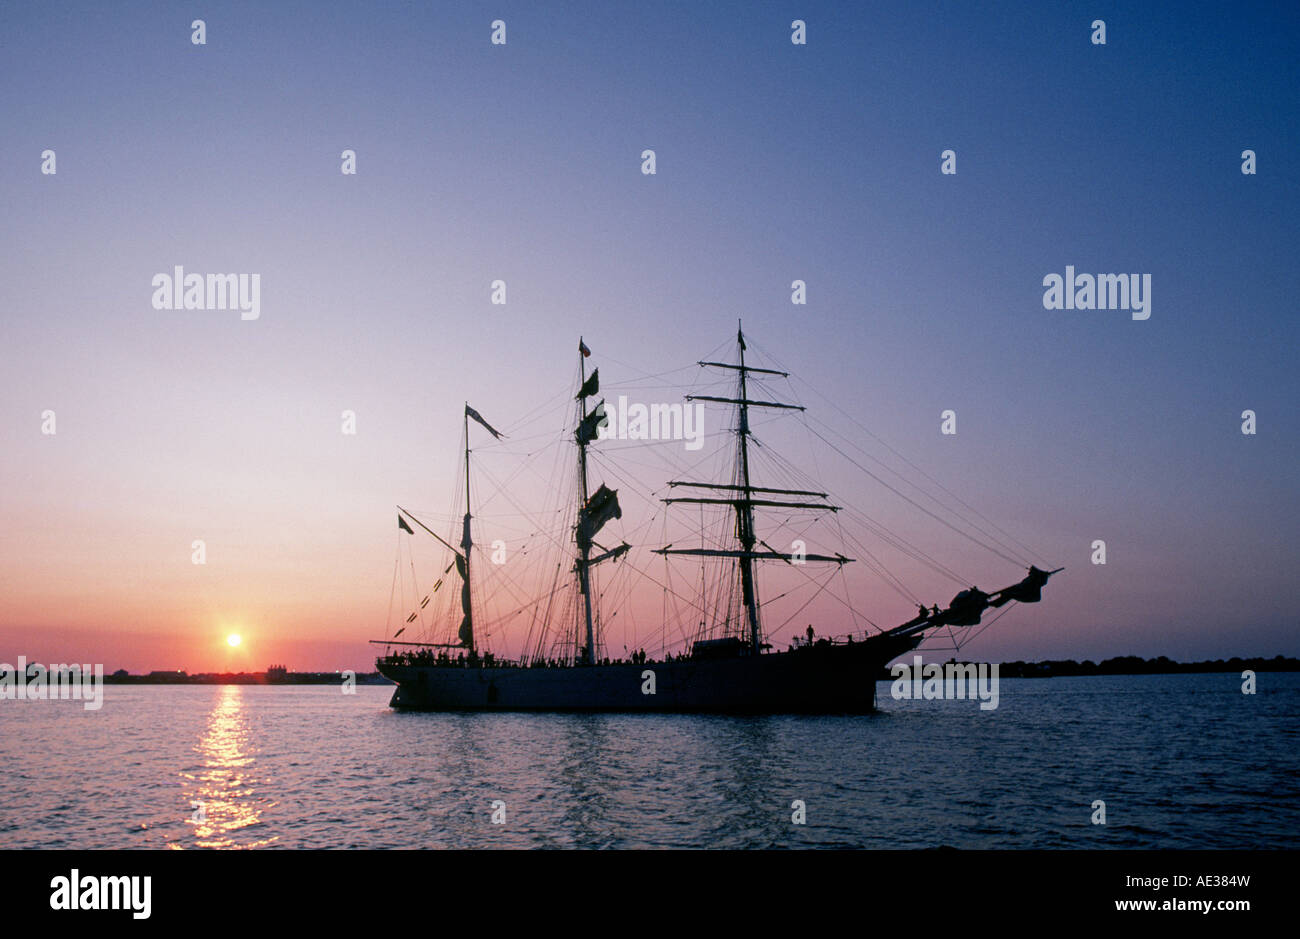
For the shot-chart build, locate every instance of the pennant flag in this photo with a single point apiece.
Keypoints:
(470, 412)
(587, 429)
(589, 387)
(741, 338)
(582, 347)
(401, 523)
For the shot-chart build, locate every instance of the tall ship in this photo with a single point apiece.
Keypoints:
(537, 636)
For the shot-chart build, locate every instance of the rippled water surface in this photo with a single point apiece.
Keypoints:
(1180, 761)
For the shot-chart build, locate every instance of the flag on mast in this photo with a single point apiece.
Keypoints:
(470, 412)
(582, 347)
(401, 523)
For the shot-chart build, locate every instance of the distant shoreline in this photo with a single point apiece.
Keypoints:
(1135, 665)
(121, 677)
(1055, 668)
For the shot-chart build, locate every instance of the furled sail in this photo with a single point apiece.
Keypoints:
(587, 428)
(590, 386)
(601, 508)
(466, 633)
(611, 554)
(965, 609)
(1029, 590)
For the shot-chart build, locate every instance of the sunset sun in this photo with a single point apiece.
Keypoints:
(233, 640)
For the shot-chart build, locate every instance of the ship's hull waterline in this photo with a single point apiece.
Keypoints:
(829, 679)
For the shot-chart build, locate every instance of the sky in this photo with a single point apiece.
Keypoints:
(523, 162)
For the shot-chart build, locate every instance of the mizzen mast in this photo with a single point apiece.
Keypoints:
(745, 509)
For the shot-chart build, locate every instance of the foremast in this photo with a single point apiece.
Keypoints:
(466, 632)
(744, 501)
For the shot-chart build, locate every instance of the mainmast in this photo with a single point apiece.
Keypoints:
(596, 508)
(744, 502)
(584, 544)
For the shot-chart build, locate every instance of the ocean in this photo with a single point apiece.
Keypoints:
(1179, 761)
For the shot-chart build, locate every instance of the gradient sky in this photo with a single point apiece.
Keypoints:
(522, 162)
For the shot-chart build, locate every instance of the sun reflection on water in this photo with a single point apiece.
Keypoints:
(224, 790)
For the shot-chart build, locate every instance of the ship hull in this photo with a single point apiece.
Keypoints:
(821, 679)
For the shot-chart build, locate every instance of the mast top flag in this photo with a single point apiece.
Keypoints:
(470, 412)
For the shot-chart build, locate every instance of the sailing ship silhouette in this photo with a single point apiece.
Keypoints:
(738, 672)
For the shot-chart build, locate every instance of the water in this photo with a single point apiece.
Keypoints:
(1181, 762)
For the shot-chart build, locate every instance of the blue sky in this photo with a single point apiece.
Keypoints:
(522, 162)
